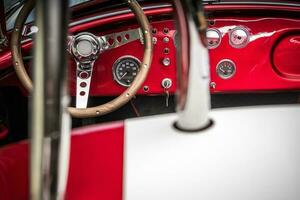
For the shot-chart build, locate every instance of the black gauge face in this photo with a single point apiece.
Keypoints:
(125, 69)
(226, 69)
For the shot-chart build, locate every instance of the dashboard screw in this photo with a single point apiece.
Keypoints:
(166, 30)
(211, 22)
(154, 30)
(213, 85)
(146, 88)
(166, 50)
(154, 40)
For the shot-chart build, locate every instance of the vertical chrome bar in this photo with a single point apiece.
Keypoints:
(56, 23)
(194, 96)
(37, 111)
(47, 107)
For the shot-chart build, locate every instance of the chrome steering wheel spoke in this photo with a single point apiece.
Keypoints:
(83, 82)
(116, 40)
(86, 48)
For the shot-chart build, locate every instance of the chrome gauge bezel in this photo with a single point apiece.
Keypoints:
(220, 38)
(247, 39)
(115, 65)
(221, 75)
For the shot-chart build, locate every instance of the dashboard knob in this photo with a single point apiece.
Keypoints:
(166, 39)
(166, 62)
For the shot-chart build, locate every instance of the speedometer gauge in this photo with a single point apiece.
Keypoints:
(125, 69)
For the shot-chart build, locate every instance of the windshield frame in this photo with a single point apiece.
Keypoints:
(253, 2)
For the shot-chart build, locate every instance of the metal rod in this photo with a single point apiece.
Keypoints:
(37, 111)
(56, 23)
(47, 108)
(194, 105)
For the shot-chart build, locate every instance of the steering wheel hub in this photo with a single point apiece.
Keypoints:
(85, 47)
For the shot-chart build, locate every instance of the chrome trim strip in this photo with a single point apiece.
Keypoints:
(165, 5)
(254, 3)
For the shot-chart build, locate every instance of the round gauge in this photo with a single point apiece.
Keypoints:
(213, 38)
(125, 69)
(226, 69)
(238, 37)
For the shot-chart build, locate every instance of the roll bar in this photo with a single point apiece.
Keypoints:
(47, 107)
(193, 97)
(3, 37)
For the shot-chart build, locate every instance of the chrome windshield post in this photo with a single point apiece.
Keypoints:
(193, 69)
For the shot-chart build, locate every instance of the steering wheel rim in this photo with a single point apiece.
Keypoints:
(103, 109)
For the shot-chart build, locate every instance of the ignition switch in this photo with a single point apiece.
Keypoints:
(166, 84)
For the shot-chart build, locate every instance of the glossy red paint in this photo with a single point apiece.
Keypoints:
(118, 18)
(5, 57)
(240, 7)
(103, 83)
(96, 165)
(254, 69)
(287, 50)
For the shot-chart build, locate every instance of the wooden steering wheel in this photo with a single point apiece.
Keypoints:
(85, 59)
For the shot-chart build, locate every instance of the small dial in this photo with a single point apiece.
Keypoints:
(125, 69)
(213, 38)
(238, 37)
(226, 69)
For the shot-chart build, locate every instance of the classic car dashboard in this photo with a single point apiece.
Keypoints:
(250, 50)
(253, 52)
(108, 78)
(115, 69)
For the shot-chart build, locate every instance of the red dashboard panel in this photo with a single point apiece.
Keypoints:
(255, 69)
(268, 62)
(287, 50)
(103, 83)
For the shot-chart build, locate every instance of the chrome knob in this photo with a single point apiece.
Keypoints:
(166, 62)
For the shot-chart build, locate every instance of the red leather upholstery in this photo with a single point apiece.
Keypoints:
(96, 165)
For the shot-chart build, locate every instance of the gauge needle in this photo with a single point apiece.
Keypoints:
(222, 70)
(123, 75)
